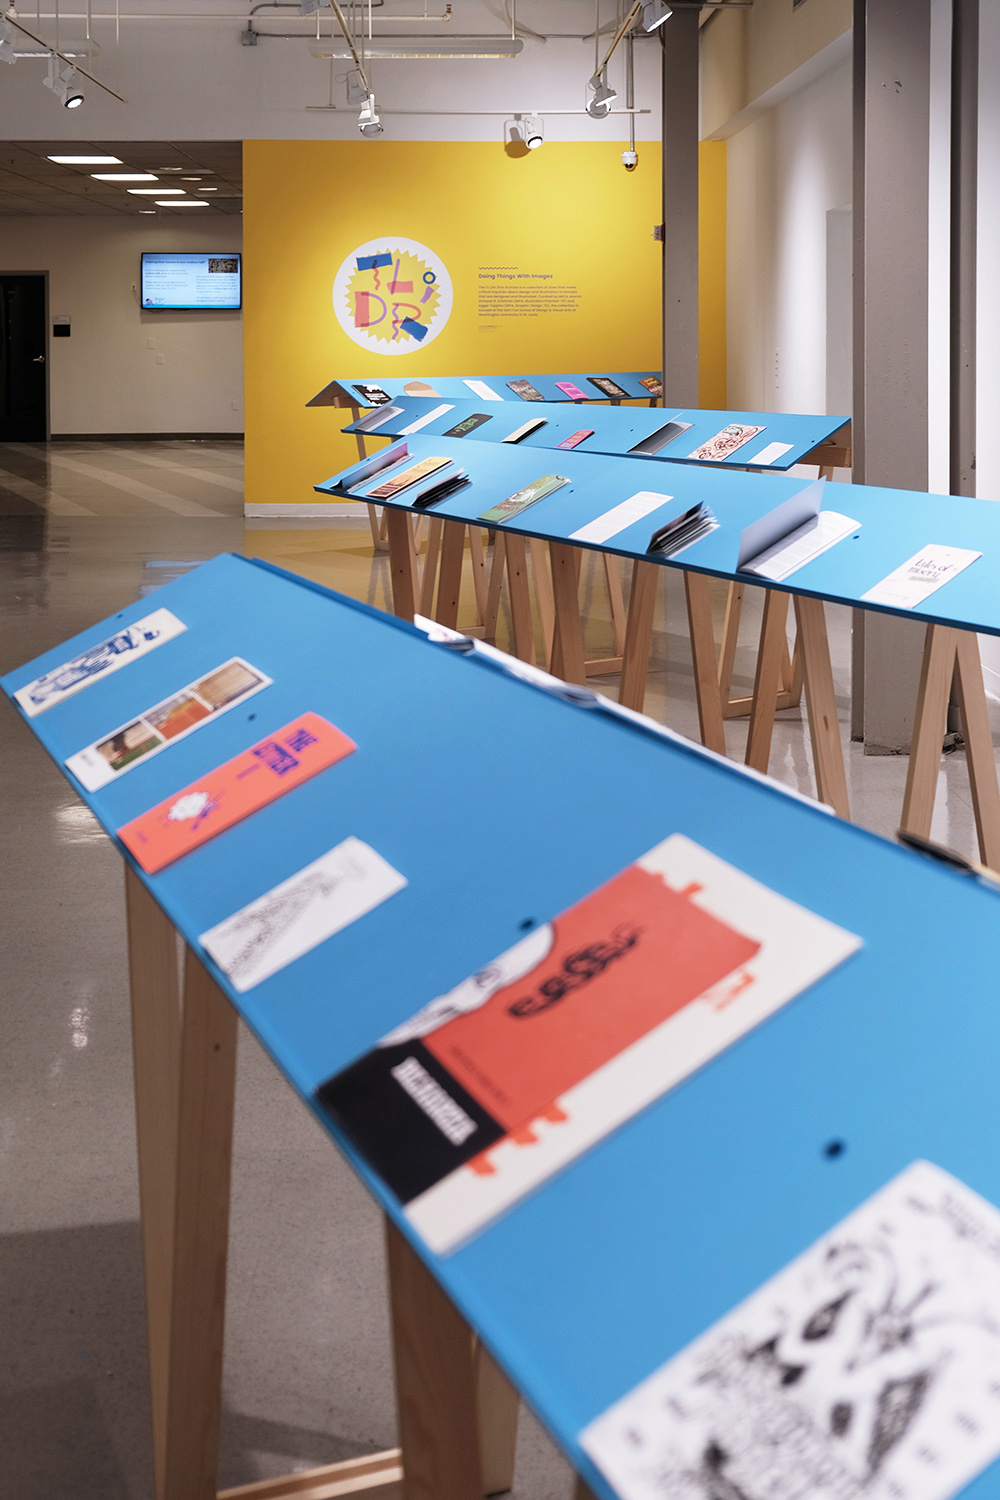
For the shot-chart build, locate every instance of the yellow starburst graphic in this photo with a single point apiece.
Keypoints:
(393, 295)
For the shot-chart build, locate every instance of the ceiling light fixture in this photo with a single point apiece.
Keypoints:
(182, 203)
(123, 176)
(152, 192)
(86, 161)
(603, 96)
(368, 121)
(147, 210)
(208, 190)
(60, 81)
(654, 13)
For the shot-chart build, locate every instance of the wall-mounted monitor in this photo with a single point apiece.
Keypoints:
(197, 282)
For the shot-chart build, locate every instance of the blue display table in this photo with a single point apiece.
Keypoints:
(499, 803)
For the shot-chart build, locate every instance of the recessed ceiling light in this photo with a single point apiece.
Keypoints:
(86, 161)
(208, 190)
(147, 210)
(123, 176)
(170, 169)
(151, 192)
(183, 203)
(191, 179)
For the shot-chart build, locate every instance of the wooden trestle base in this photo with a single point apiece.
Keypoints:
(457, 1411)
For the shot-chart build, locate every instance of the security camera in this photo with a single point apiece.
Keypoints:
(630, 160)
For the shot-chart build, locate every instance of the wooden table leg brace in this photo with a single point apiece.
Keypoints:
(948, 654)
(184, 1053)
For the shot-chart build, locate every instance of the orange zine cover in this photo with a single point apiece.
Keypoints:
(232, 791)
(624, 960)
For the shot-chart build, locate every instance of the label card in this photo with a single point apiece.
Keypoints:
(234, 790)
(424, 421)
(481, 389)
(177, 716)
(771, 453)
(469, 424)
(909, 585)
(868, 1369)
(300, 913)
(522, 1066)
(125, 646)
(615, 520)
(575, 438)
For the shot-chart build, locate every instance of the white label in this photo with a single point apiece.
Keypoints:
(482, 389)
(428, 417)
(98, 661)
(868, 1369)
(625, 514)
(772, 452)
(806, 542)
(301, 912)
(925, 572)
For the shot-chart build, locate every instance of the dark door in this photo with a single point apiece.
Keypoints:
(22, 359)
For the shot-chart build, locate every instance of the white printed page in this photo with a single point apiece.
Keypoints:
(771, 453)
(426, 419)
(481, 389)
(107, 656)
(621, 516)
(806, 542)
(301, 912)
(919, 577)
(868, 1369)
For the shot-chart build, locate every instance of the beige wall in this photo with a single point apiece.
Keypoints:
(105, 377)
(745, 54)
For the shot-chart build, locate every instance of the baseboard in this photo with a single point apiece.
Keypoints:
(146, 437)
(322, 510)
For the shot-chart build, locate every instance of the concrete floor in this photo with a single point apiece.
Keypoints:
(84, 529)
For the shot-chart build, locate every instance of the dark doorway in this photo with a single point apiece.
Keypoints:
(22, 359)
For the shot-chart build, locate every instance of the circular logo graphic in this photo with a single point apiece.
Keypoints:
(392, 295)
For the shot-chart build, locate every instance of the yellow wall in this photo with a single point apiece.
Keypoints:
(569, 210)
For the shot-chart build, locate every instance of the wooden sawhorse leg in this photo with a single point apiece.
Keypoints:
(638, 635)
(948, 654)
(457, 1411)
(821, 706)
(567, 647)
(403, 568)
(706, 675)
(790, 686)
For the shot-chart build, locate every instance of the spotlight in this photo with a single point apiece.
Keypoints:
(368, 121)
(654, 13)
(60, 81)
(603, 95)
(534, 132)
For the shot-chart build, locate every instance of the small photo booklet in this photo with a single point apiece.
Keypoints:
(402, 481)
(868, 1369)
(683, 531)
(300, 913)
(733, 436)
(521, 499)
(107, 656)
(155, 728)
(909, 585)
(521, 1067)
(234, 790)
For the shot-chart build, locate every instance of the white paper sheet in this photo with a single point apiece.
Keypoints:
(625, 514)
(797, 947)
(806, 542)
(772, 452)
(912, 582)
(378, 417)
(301, 912)
(480, 388)
(98, 661)
(868, 1369)
(437, 411)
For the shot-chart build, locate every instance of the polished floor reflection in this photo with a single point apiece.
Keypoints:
(85, 528)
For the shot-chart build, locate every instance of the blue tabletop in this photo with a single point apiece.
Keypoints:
(504, 387)
(499, 802)
(616, 429)
(895, 524)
